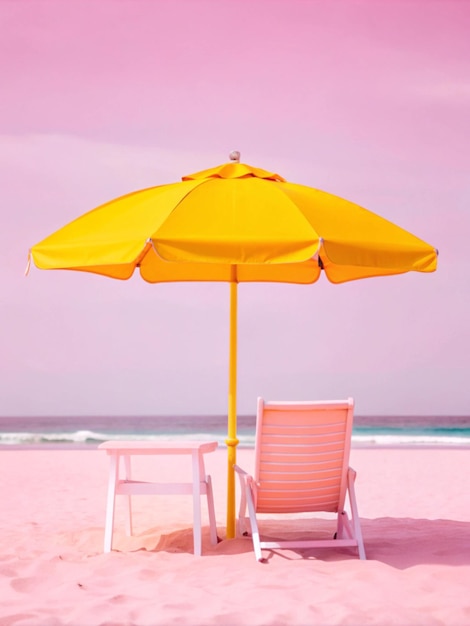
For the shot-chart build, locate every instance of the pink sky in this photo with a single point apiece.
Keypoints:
(367, 100)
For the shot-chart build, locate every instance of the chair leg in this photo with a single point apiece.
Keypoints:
(242, 509)
(254, 524)
(355, 515)
(339, 526)
(348, 530)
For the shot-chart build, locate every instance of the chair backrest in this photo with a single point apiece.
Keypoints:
(302, 455)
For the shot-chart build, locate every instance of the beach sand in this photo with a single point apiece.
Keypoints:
(415, 510)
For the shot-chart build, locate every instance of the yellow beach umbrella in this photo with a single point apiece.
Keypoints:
(234, 223)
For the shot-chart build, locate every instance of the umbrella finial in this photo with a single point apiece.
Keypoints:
(234, 156)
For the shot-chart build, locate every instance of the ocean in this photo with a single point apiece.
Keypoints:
(89, 432)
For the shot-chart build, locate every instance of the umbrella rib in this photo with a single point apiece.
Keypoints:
(28, 264)
(317, 256)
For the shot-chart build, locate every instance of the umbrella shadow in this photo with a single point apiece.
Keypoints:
(405, 542)
(398, 542)
(180, 541)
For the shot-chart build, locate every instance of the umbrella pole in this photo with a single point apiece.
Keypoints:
(232, 440)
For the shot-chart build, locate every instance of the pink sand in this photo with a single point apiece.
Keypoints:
(415, 511)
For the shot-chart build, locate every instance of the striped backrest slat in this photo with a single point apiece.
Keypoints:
(302, 455)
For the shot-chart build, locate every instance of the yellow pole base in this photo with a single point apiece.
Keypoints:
(231, 461)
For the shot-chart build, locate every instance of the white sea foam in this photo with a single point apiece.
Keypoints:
(409, 440)
(90, 437)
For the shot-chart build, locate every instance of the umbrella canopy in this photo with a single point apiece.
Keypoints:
(234, 223)
(234, 219)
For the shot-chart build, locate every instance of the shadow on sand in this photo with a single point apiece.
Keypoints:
(399, 542)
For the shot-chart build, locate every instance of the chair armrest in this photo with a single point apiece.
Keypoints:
(246, 480)
(240, 471)
(351, 474)
(244, 477)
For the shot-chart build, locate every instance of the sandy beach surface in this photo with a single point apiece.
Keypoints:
(415, 510)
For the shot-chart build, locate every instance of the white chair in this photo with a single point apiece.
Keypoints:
(302, 465)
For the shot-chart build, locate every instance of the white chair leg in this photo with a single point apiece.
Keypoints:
(241, 525)
(254, 524)
(348, 531)
(355, 515)
(339, 526)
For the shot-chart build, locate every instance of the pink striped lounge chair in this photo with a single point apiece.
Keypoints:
(302, 465)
